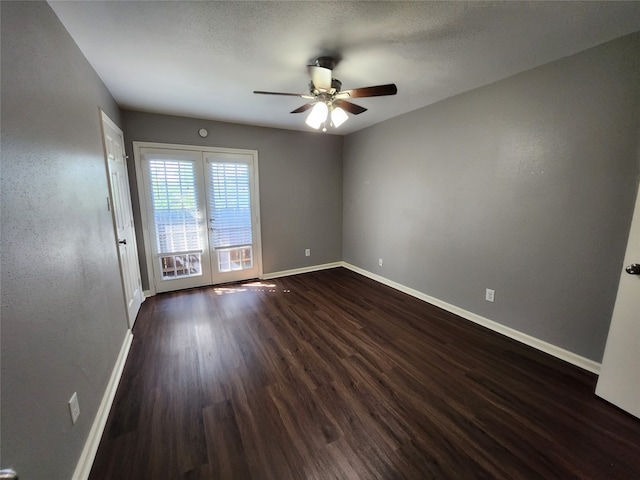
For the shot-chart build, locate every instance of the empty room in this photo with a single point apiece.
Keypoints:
(281, 240)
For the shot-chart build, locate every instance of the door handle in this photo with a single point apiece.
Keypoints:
(8, 473)
(633, 269)
(122, 242)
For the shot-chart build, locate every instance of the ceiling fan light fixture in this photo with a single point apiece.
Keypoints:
(328, 100)
(318, 115)
(338, 116)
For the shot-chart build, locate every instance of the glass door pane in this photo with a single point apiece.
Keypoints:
(175, 214)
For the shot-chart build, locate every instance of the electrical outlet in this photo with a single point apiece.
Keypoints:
(490, 295)
(380, 262)
(74, 407)
(307, 252)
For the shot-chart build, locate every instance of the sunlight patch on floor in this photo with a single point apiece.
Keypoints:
(252, 286)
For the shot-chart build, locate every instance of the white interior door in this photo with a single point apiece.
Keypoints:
(619, 380)
(123, 217)
(201, 214)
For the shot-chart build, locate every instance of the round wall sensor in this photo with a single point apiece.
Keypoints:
(203, 132)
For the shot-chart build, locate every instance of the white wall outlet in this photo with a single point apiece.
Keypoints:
(74, 407)
(307, 252)
(380, 262)
(490, 295)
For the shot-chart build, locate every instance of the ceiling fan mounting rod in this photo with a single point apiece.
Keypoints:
(325, 62)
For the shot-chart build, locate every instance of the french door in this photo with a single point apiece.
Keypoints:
(201, 212)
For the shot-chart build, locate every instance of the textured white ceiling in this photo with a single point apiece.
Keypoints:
(204, 59)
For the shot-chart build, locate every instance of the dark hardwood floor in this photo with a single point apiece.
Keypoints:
(330, 375)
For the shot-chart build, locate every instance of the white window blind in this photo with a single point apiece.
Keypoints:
(175, 207)
(230, 204)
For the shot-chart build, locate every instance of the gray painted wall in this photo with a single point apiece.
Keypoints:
(63, 316)
(525, 186)
(300, 183)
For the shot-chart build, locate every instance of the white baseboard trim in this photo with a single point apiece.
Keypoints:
(88, 455)
(536, 343)
(297, 271)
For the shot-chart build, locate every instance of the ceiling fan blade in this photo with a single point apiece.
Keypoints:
(321, 78)
(304, 107)
(303, 95)
(377, 91)
(349, 107)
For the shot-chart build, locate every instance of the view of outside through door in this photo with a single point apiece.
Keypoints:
(230, 215)
(175, 214)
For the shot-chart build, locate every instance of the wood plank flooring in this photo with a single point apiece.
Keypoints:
(330, 375)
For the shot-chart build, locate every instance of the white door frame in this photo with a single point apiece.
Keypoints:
(145, 208)
(137, 295)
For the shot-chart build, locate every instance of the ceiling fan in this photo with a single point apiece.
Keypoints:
(327, 98)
